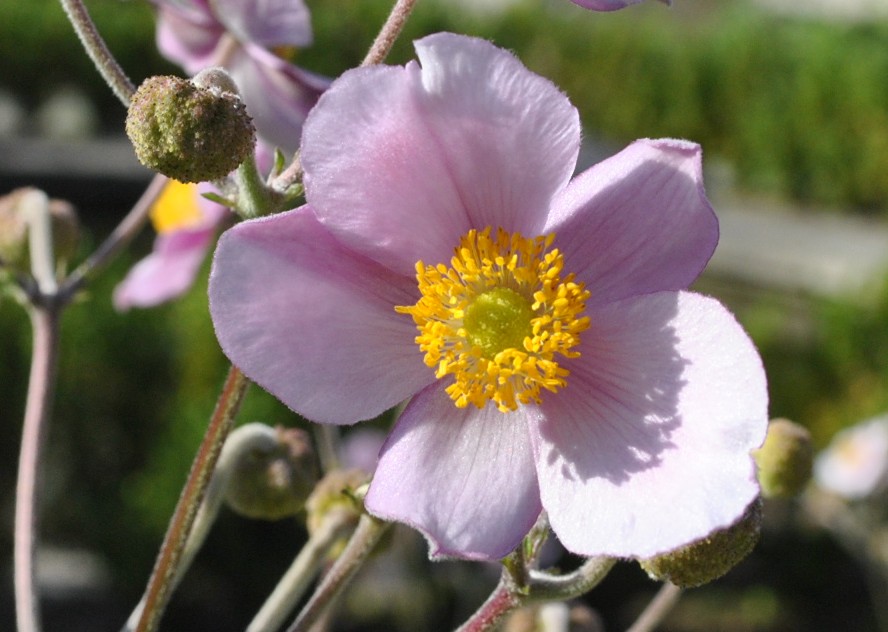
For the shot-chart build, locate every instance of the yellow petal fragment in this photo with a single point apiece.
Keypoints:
(176, 208)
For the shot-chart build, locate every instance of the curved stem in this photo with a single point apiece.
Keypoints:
(120, 237)
(160, 585)
(545, 587)
(34, 206)
(365, 537)
(327, 441)
(389, 32)
(241, 443)
(657, 609)
(509, 596)
(98, 51)
(41, 385)
(503, 600)
(301, 573)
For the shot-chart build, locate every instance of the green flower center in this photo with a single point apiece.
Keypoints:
(498, 320)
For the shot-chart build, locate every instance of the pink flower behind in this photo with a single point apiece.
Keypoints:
(186, 224)
(238, 35)
(610, 5)
(539, 323)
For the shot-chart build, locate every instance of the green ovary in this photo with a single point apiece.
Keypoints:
(498, 320)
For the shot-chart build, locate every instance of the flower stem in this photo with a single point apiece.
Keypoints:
(35, 209)
(657, 609)
(509, 595)
(160, 585)
(389, 33)
(301, 573)
(98, 51)
(241, 443)
(125, 232)
(546, 587)
(41, 386)
(503, 600)
(362, 542)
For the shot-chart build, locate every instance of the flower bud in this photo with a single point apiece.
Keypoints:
(336, 492)
(785, 460)
(14, 247)
(273, 474)
(13, 231)
(708, 559)
(190, 132)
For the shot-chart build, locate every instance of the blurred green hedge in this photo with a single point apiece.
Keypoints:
(798, 107)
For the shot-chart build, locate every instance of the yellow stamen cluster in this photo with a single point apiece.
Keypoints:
(176, 208)
(512, 289)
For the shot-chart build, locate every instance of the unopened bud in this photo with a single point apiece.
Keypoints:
(272, 474)
(337, 492)
(708, 559)
(190, 132)
(785, 460)
(14, 223)
(13, 232)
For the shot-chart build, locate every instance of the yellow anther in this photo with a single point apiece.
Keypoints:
(498, 317)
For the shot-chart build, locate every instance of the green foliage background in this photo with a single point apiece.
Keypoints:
(798, 109)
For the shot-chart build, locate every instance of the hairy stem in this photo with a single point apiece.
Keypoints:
(41, 385)
(98, 51)
(301, 573)
(122, 235)
(503, 600)
(509, 595)
(657, 609)
(166, 568)
(389, 32)
(361, 544)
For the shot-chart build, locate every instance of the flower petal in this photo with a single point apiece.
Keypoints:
(278, 95)
(647, 448)
(268, 23)
(609, 5)
(637, 222)
(401, 162)
(188, 33)
(464, 477)
(312, 322)
(167, 272)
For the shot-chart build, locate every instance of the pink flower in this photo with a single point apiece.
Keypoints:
(539, 323)
(186, 224)
(610, 5)
(238, 34)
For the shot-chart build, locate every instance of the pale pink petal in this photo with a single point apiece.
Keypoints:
(278, 95)
(268, 23)
(463, 477)
(312, 322)
(401, 162)
(609, 5)
(511, 137)
(647, 448)
(188, 33)
(167, 272)
(637, 222)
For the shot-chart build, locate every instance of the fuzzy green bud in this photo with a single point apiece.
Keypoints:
(273, 474)
(192, 131)
(785, 460)
(708, 559)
